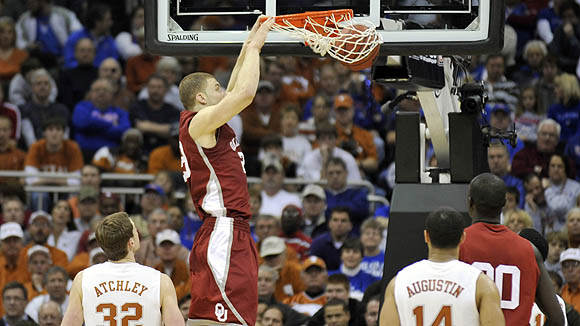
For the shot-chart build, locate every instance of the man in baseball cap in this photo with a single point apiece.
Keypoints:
(570, 261)
(11, 236)
(314, 203)
(273, 250)
(314, 276)
(167, 249)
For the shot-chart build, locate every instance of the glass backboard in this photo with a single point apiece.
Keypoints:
(219, 27)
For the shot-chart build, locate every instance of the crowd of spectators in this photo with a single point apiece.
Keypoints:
(80, 94)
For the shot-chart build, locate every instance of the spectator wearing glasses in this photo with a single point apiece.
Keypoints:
(536, 158)
(14, 302)
(570, 260)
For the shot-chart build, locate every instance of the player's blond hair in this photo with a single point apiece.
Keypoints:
(113, 234)
(190, 85)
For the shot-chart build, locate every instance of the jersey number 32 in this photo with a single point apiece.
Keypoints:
(134, 313)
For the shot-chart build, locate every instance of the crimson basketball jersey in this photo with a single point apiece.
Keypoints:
(216, 176)
(509, 260)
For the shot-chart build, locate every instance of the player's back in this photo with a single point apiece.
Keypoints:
(509, 260)
(121, 294)
(430, 293)
(216, 176)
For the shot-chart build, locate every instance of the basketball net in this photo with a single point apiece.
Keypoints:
(332, 32)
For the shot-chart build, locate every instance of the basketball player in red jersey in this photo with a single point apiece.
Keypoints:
(223, 261)
(512, 262)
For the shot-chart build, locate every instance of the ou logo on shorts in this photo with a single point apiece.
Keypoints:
(220, 312)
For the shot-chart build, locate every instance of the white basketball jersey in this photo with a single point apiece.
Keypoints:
(121, 294)
(537, 318)
(429, 293)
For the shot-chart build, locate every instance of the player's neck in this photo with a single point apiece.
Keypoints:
(439, 255)
(130, 258)
(486, 220)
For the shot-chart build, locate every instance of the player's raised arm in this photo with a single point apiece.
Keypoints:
(488, 302)
(74, 311)
(169, 308)
(215, 108)
(545, 295)
(389, 315)
(242, 56)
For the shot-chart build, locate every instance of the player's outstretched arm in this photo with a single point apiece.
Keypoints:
(389, 314)
(545, 295)
(242, 56)
(207, 120)
(488, 302)
(169, 308)
(74, 312)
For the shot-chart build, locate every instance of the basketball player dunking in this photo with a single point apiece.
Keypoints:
(442, 290)
(223, 261)
(121, 291)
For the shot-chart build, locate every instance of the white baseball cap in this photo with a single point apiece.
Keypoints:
(167, 235)
(570, 254)
(313, 190)
(272, 245)
(39, 214)
(38, 248)
(11, 229)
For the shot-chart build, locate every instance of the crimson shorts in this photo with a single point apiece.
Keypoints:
(224, 273)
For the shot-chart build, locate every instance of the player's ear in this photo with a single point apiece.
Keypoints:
(426, 236)
(201, 98)
(463, 236)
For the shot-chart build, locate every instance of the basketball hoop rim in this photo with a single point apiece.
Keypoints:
(320, 17)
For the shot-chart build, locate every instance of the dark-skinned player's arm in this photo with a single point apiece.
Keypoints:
(389, 315)
(545, 295)
(207, 120)
(488, 302)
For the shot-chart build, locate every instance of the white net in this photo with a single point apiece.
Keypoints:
(337, 35)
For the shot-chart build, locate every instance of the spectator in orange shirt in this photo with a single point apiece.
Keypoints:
(53, 154)
(39, 261)
(11, 158)
(11, 236)
(355, 140)
(166, 157)
(12, 56)
(314, 276)
(273, 251)
(39, 228)
(167, 248)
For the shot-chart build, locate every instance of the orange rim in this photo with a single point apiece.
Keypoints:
(299, 19)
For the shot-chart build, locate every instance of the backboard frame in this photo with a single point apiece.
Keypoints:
(193, 43)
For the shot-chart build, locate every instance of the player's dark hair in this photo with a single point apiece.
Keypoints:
(353, 244)
(339, 278)
(487, 193)
(113, 234)
(338, 302)
(537, 240)
(514, 191)
(445, 228)
(96, 13)
(341, 209)
(15, 285)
